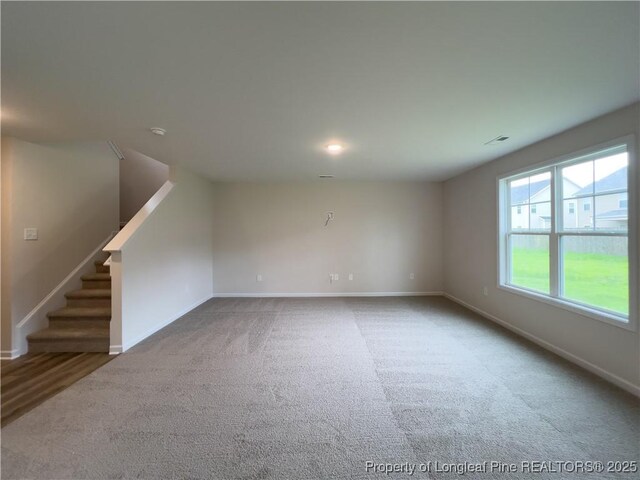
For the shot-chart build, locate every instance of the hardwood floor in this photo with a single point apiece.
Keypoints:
(28, 381)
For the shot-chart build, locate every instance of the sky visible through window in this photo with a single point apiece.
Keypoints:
(584, 176)
(591, 271)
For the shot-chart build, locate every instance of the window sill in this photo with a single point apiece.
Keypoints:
(611, 319)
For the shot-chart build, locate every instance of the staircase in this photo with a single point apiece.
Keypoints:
(83, 325)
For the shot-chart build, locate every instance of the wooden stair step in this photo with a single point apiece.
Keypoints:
(81, 312)
(100, 267)
(81, 317)
(96, 280)
(89, 297)
(69, 340)
(97, 277)
(90, 293)
(71, 333)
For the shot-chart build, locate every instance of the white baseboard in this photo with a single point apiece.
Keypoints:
(330, 294)
(610, 377)
(9, 354)
(115, 349)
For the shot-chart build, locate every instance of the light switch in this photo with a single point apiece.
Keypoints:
(31, 233)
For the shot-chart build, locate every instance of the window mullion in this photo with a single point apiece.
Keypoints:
(554, 239)
(569, 243)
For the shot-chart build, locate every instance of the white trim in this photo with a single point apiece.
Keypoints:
(572, 306)
(9, 354)
(129, 230)
(114, 349)
(330, 294)
(568, 158)
(601, 372)
(626, 143)
(115, 149)
(64, 282)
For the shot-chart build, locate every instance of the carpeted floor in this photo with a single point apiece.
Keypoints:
(316, 388)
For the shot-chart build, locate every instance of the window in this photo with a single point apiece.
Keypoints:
(578, 258)
(623, 202)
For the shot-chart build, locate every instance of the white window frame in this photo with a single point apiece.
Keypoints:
(556, 233)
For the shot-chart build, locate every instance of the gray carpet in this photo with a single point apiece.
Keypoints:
(315, 388)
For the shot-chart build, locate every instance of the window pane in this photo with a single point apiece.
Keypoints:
(520, 217)
(530, 262)
(540, 216)
(609, 214)
(539, 187)
(519, 191)
(624, 201)
(596, 272)
(611, 173)
(535, 188)
(577, 179)
(575, 216)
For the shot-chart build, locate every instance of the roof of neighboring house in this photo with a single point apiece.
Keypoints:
(520, 194)
(614, 214)
(614, 181)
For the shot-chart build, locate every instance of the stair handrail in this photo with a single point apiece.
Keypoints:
(129, 230)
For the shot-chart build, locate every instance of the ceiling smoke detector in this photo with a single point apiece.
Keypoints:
(498, 140)
(158, 131)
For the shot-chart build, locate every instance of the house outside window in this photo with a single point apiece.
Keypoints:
(623, 202)
(575, 258)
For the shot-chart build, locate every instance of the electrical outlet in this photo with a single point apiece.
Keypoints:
(412, 276)
(258, 278)
(351, 276)
(31, 233)
(485, 291)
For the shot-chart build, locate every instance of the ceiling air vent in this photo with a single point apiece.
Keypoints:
(325, 176)
(498, 140)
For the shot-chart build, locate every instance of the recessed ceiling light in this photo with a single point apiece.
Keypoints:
(334, 148)
(158, 131)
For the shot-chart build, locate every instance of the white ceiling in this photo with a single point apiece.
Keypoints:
(251, 91)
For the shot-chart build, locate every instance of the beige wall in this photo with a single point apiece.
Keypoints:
(162, 260)
(471, 253)
(70, 193)
(381, 233)
(140, 178)
(6, 333)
